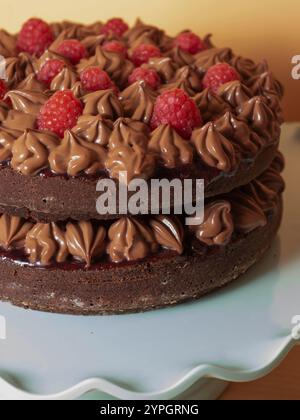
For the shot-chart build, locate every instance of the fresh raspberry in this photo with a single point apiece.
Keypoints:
(93, 78)
(72, 49)
(115, 26)
(49, 70)
(218, 75)
(35, 37)
(177, 109)
(149, 76)
(143, 53)
(60, 113)
(3, 89)
(190, 42)
(115, 47)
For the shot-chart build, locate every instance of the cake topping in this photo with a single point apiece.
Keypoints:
(19, 121)
(190, 42)
(217, 227)
(7, 139)
(45, 243)
(28, 102)
(31, 83)
(72, 49)
(13, 231)
(128, 150)
(92, 42)
(35, 37)
(64, 80)
(181, 57)
(143, 52)
(8, 44)
(211, 105)
(75, 155)
(84, 242)
(178, 110)
(219, 75)
(115, 26)
(245, 67)
(164, 66)
(172, 150)
(130, 240)
(3, 89)
(247, 214)
(31, 150)
(116, 47)
(94, 129)
(149, 76)
(3, 110)
(187, 79)
(102, 102)
(93, 79)
(234, 93)
(142, 33)
(138, 101)
(214, 149)
(266, 82)
(208, 58)
(168, 232)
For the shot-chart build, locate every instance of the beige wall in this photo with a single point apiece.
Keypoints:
(258, 29)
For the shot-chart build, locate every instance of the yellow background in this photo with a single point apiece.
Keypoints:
(258, 29)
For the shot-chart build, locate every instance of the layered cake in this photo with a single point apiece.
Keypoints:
(83, 103)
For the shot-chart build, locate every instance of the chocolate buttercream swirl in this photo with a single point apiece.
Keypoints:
(261, 193)
(165, 67)
(245, 67)
(128, 150)
(48, 55)
(211, 105)
(31, 150)
(260, 118)
(19, 121)
(208, 58)
(30, 83)
(104, 103)
(247, 214)
(273, 180)
(64, 80)
(8, 44)
(245, 141)
(75, 155)
(266, 82)
(214, 149)
(181, 57)
(142, 33)
(170, 148)
(138, 101)
(46, 243)
(187, 79)
(168, 232)
(14, 71)
(84, 242)
(278, 163)
(4, 108)
(130, 240)
(217, 227)
(25, 101)
(234, 93)
(91, 42)
(94, 129)
(7, 139)
(13, 231)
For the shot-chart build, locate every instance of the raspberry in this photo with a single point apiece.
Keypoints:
(177, 109)
(72, 49)
(35, 37)
(218, 75)
(60, 113)
(190, 42)
(115, 47)
(3, 89)
(93, 78)
(49, 70)
(149, 76)
(143, 53)
(115, 26)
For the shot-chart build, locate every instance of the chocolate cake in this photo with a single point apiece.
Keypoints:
(86, 102)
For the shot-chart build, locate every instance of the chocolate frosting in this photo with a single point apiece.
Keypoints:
(19, 121)
(211, 105)
(138, 102)
(14, 71)
(142, 33)
(130, 240)
(94, 129)
(84, 242)
(247, 214)
(214, 149)
(31, 84)
(208, 58)
(31, 150)
(91, 42)
(102, 102)
(3, 110)
(8, 44)
(168, 232)
(75, 155)
(234, 93)
(165, 67)
(48, 55)
(187, 79)
(266, 82)
(278, 163)
(65, 80)
(217, 227)
(13, 231)
(46, 243)
(128, 150)
(181, 57)
(25, 101)
(245, 67)
(170, 148)
(7, 139)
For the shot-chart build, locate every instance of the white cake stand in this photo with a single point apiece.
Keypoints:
(238, 334)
